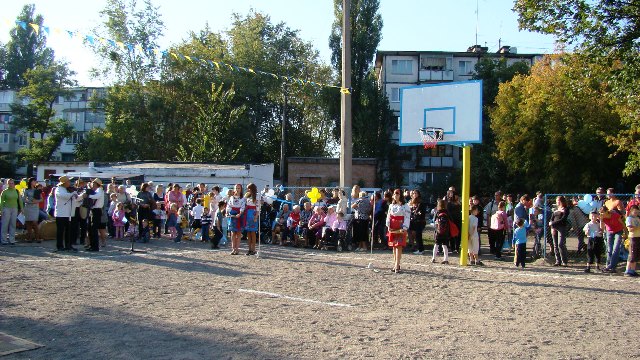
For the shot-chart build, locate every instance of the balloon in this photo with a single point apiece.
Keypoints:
(132, 190)
(23, 184)
(225, 190)
(588, 198)
(281, 188)
(269, 196)
(584, 206)
(314, 195)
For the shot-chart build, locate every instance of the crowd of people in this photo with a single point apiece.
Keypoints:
(90, 212)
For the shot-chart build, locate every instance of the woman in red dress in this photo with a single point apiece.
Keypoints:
(398, 218)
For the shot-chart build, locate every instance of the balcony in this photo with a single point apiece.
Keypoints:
(436, 75)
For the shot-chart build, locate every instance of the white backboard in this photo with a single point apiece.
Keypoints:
(456, 107)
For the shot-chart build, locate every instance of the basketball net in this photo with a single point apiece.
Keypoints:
(431, 136)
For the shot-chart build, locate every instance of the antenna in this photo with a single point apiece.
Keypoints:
(477, 19)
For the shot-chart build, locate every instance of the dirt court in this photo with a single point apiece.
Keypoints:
(184, 301)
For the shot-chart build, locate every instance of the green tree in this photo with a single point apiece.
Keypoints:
(127, 23)
(607, 33)
(35, 114)
(551, 126)
(217, 120)
(25, 50)
(487, 171)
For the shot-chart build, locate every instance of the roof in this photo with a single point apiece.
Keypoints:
(172, 165)
(325, 160)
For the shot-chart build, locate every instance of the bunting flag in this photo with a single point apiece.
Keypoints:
(219, 65)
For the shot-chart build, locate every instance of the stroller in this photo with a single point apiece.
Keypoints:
(267, 216)
(340, 239)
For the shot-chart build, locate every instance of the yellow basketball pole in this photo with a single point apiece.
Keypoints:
(466, 188)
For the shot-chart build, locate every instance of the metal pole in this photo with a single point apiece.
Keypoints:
(466, 189)
(283, 143)
(346, 177)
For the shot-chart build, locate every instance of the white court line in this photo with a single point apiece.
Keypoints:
(274, 295)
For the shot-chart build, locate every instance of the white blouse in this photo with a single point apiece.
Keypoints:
(399, 210)
(249, 202)
(235, 202)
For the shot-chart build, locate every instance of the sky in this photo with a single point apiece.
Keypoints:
(409, 25)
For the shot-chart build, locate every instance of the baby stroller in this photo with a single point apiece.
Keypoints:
(267, 216)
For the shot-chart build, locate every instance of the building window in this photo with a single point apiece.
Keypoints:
(75, 138)
(465, 67)
(5, 118)
(402, 67)
(94, 117)
(22, 140)
(74, 116)
(395, 94)
(439, 151)
(435, 63)
(4, 138)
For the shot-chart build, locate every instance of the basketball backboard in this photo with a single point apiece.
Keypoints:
(455, 107)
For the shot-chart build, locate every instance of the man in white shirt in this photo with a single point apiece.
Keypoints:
(96, 214)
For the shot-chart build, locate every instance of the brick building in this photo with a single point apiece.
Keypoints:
(319, 171)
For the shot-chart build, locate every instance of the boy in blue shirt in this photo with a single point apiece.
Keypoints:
(520, 242)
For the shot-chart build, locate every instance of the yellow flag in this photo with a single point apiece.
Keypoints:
(35, 27)
(139, 48)
(120, 44)
(174, 55)
(345, 90)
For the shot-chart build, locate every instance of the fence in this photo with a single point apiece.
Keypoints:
(580, 205)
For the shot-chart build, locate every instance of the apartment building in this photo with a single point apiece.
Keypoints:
(398, 69)
(77, 109)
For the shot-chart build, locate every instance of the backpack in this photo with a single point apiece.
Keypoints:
(442, 225)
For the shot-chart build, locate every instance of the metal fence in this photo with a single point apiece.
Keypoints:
(580, 206)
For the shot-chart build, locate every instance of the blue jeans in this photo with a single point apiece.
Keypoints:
(614, 243)
(179, 233)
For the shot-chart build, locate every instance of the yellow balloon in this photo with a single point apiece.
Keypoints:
(23, 184)
(314, 195)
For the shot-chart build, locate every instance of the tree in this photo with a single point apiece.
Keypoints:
(217, 121)
(25, 50)
(489, 172)
(551, 126)
(128, 24)
(35, 114)
(607, 33)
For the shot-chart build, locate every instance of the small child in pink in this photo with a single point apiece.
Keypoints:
(118, 222)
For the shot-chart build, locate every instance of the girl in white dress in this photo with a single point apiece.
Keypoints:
(251, 214)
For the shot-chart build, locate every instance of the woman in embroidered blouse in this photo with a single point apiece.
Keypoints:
(235, 209)
(252, 203)
(398, 218)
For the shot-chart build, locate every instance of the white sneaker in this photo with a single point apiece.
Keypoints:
(417, 252)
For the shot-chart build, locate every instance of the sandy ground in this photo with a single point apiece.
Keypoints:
(184, 301)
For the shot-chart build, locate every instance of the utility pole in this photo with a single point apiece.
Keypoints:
(283, 142)
(346, 150)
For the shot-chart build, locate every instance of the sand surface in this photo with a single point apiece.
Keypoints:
(184, 301)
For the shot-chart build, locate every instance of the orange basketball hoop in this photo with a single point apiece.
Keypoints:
(431, 136)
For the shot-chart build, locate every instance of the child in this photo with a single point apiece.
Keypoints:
(181, 224)
(633, 224)
(158, 216)
(339, 226)
(498, 227)
(112, 207)
(474, 239)
(145, 233)
(197, 212)
(442, 232)
(293, 221)
(118, 222)
(520, 242)
(220, 225)
(615, 227)
(595, 246)
(172, 221)
(205, 221)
